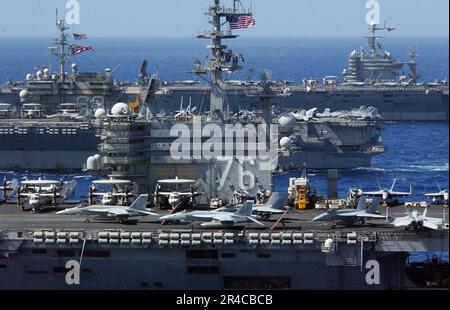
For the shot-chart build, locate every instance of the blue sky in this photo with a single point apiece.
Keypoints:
(183, 18)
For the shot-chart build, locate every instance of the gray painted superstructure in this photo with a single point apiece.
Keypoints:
(333, 148)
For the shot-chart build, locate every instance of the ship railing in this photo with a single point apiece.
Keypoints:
(343, 236)
(397, 88)
(222, 33)
(122, 160)
(123, 134)
(46, 125)
(122, 148)
(223, 10)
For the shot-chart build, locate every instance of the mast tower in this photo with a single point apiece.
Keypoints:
(221, 59)
(59, 50)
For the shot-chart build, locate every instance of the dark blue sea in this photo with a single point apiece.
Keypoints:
(418, 153)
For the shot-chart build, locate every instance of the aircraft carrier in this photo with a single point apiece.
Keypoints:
(64, 143)
(34, 250)
(38, 250)
(373, 78)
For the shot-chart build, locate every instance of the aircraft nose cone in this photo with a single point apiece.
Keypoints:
(318, 218)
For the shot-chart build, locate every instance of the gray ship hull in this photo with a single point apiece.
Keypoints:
(34, 250)
(46, 145)
(44, 160)
(322, 160)
(170, 269)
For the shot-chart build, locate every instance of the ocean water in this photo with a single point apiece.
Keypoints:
(418, 153)
(287, 58)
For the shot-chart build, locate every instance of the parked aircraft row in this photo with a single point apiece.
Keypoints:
(390, 197)
(248, 212)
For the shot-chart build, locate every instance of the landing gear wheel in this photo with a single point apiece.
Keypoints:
(87, 221)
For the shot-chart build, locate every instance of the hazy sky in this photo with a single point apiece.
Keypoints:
(183, 18)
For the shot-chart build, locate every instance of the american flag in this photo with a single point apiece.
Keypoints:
(80, 36)
(241, 22)
(77, 49)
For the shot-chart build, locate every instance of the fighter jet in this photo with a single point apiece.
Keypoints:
(277, 204)
(417, 221)
(439, 198)
(215, 218)
(389, 195)
(351, 217)
(107, 212)
(188, 112)
(305, 116)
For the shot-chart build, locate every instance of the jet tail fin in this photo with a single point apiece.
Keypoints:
(362, 204)
(140, 203)
(68, 188)
(246, 209)
(393, 184)
(277, 201)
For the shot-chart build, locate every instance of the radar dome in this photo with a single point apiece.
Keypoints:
(120, 109)
(99, 114)
(91, 163)
(74, 67)
(39, 75)
(286, 121)
(328, 246)
(285, 143)
(46, 71)
(29, 77)
(24, 94)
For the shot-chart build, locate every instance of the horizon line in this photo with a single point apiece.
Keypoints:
(249, 37)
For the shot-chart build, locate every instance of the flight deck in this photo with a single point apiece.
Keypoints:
(13, 218)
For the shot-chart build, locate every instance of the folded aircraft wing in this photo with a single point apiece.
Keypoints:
(371, 215)
(429, 224)
(268, 210)
(117, 211)
(146, 212)
(400, 194)
(223, 217)
(373, 194)
(402, 221)
(349, 214)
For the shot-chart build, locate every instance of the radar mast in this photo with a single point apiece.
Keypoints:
(222, 59)
(59, 50)
(375, 47)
